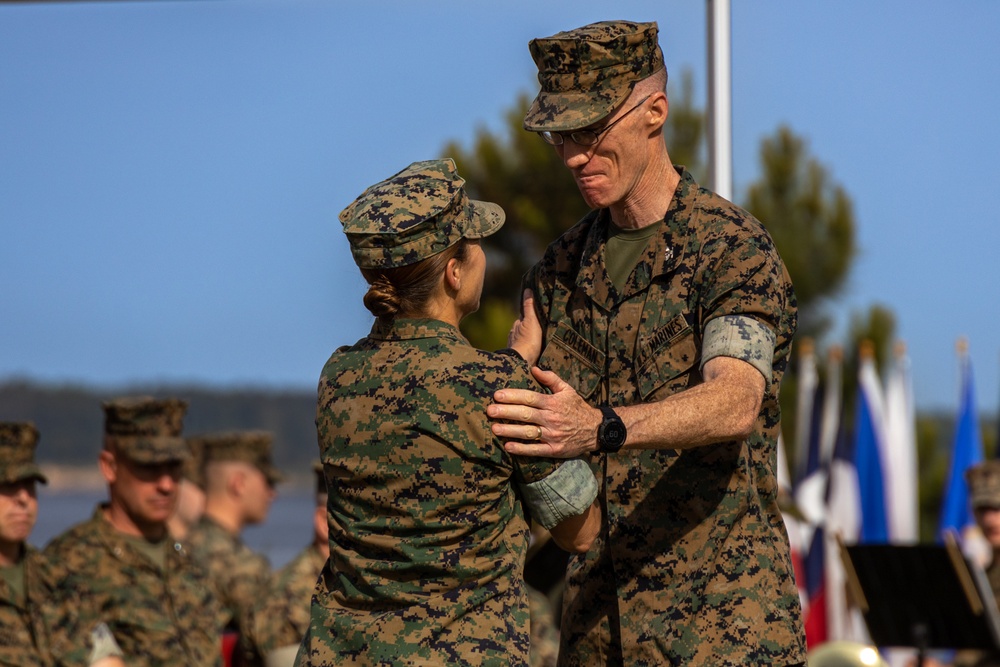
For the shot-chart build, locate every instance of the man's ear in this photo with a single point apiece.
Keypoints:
(659, 109)
(108, 464)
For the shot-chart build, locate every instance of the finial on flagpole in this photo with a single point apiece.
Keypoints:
(899, 349)
(835, 353)
(866, 350)
(962, 346)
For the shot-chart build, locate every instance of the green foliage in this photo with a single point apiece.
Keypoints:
(684, 132)
(522, 173)
(811, 221)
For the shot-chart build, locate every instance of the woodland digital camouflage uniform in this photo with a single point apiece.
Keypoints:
(24, 634)
(693, 566)
(284, 618)
(24, 629)
(427, 533)
(237, 575)
(160, 617)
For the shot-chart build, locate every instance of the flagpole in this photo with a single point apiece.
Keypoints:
(720, 133)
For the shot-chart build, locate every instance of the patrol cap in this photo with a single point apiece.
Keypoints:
(194, 467)
(253, 447)
(415, 214)
(587, 72)
(984, 484)
(17, 453)
(146, 429)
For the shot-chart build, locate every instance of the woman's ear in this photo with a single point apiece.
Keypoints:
(453, 275)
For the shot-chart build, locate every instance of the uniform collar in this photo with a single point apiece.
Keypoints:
(413, 329)
(660, 259)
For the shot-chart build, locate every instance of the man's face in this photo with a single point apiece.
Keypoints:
(147, 492)
(608, 173)
(18, 511)
(988, 519)
(258, 497)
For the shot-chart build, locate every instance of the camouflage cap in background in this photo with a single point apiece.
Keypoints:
(194, 467)
(984, 484)
(417, 213)
(253, 447)
(587, 72)
(17, 453)
(146, 429)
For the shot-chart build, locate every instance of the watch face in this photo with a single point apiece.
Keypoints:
(611, 434)
(614, 434)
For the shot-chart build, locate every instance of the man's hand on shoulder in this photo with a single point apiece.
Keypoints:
(525, 335)
(560, 424)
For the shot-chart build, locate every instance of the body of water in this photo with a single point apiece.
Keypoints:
(287, 531)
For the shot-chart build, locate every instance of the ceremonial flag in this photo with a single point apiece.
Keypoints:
(901, 452)
(967, 451)
(821, 423)
(869, 447)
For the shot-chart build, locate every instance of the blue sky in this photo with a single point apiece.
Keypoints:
(171, 172)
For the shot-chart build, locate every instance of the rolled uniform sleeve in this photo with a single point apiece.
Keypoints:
(567, 492)
(741, 337)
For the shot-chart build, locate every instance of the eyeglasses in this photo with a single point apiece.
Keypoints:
(586, 137)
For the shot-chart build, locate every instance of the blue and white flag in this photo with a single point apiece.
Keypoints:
(967, 451)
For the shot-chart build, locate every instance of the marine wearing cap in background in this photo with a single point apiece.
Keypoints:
(414, 214)
(122, 567)
(239, 489)
(23, 572)
(283, 618)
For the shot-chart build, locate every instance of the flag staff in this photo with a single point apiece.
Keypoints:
(720, 123)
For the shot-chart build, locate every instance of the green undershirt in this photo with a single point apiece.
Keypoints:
(624, 249)
(154, 551)
(14, 576)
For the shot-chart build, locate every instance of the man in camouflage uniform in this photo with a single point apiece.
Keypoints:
(122, 567)
(24, 635)
(239, 490)
(28, 619)
(667, 318)
(283, 619)
(426, 510)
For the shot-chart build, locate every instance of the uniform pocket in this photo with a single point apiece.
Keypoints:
(667, 361)
(574, 359)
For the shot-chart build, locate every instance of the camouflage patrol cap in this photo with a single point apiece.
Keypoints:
(984, 484)
(415, 214)
(587, 72)
(194, 467)
(17, 453)
(253, 447)
(146, 429)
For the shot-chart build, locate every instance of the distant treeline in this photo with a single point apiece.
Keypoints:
(71, 421)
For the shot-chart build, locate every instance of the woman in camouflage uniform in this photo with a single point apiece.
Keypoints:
(428, 515)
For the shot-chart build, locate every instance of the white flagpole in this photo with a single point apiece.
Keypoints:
(720, 132)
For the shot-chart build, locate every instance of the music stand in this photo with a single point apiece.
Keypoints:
(923, 596)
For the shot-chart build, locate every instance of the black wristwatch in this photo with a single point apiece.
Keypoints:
(611, 433)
